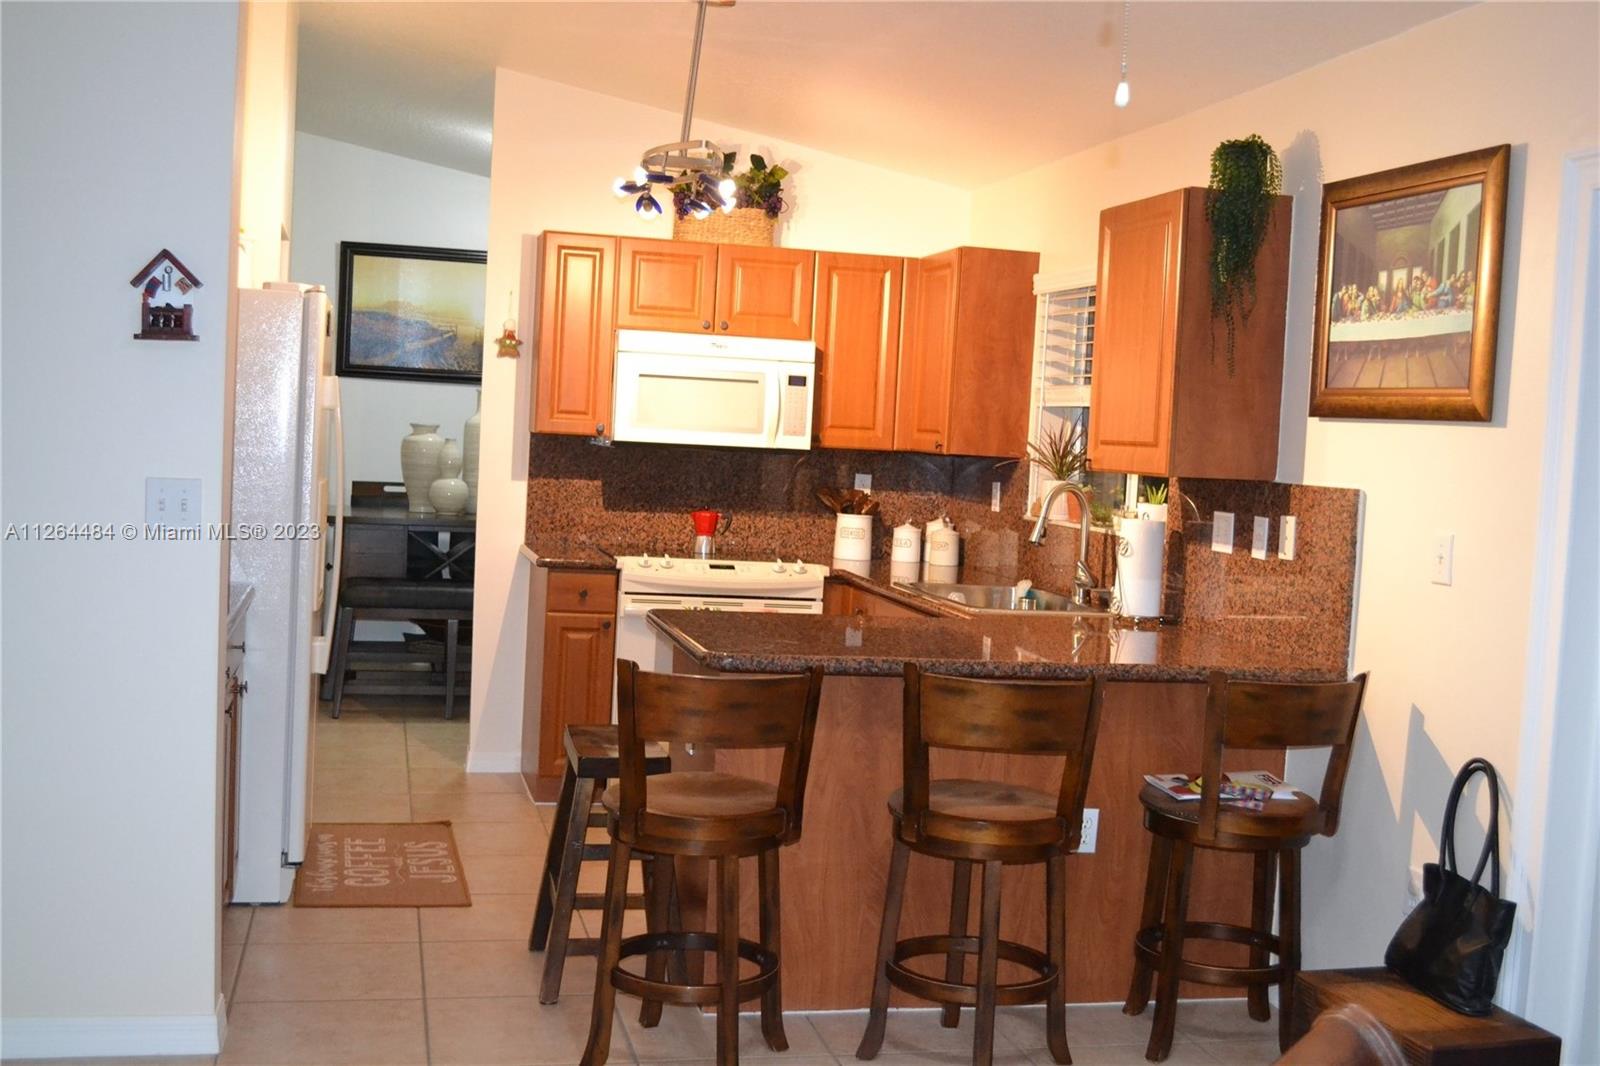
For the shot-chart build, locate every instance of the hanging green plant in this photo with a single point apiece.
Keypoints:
(1245, 176)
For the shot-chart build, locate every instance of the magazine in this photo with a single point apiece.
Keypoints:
(1251, 788)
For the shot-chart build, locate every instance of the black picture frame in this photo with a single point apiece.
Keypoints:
(463, 358)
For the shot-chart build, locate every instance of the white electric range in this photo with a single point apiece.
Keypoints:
(661, 583)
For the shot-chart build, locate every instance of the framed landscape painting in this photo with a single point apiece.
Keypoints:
(413, 313)
(1408, 291)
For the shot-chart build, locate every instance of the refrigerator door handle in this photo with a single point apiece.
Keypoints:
(322, 645)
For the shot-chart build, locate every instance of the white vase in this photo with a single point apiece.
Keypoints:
(419, 464)
(1151, 512)
(448, 495)
(469, 454)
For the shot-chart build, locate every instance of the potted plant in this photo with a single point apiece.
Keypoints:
(1245, 176)
(754, 199)
(1062, 454)
(1154, 505)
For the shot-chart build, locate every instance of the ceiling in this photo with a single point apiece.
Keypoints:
(965, 92)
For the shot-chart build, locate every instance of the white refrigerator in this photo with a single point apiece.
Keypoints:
(287, 434)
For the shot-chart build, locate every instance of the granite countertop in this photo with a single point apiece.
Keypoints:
(571, 557)
(1265, 649)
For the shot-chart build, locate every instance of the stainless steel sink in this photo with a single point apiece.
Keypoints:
(998, 599)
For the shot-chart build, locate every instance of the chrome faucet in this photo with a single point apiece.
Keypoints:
(1082, 581)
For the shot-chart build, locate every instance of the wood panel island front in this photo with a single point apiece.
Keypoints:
(833, 880)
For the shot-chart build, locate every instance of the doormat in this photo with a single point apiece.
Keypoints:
(403, 864)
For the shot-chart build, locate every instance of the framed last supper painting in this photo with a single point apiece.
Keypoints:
(1408, 291)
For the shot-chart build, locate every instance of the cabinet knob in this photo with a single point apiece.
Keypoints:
(724, 325)
(938, 445)
(599, 429)
(605, 625)
(583, 594)
(706, 324)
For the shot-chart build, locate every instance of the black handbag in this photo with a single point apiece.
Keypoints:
(1451, 945)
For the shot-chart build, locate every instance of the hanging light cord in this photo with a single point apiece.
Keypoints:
(1127, 8)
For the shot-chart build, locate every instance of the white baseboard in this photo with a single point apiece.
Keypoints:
(494, 762)
(72, 1038)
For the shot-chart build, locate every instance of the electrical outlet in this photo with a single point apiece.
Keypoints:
(1444, 558)
(1287, 531)
(864, 482)
(1091, 830)
(172, 501)
(1222, 532)
(994, 496)
(1259, 528)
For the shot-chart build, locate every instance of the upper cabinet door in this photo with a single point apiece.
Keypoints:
(922, 417)
(666, 285)
(572, 388)
(764, 292)
(1136, 322)
(858, 349)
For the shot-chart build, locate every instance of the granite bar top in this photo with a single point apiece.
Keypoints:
(1263, 649)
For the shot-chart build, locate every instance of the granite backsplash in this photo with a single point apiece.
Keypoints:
(632, 498)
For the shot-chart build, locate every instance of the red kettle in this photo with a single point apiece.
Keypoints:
(707, 526)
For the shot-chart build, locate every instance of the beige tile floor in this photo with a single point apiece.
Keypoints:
(458, 985)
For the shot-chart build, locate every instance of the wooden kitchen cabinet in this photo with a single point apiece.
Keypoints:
(765, 292)
(577, 347)
(1163, 400)
(966, 353)
(669, 285)
(571, 667)
(858, 349)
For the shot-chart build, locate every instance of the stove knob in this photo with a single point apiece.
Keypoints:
(644, 561)
(799, 566)
(666, 562)
(777, 566)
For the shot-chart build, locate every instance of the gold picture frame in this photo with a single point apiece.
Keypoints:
(1408, 291)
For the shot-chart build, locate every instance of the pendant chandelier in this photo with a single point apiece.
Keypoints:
(698, 163)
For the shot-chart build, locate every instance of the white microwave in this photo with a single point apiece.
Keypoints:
(687, 388)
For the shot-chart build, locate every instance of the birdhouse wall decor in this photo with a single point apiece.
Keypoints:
(160, 319)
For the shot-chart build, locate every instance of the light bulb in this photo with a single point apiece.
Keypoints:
(639, 174)
(726, 188)
(1121, 96)
(727, 207)
(617, 187)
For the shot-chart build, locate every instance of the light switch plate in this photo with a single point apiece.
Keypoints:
(1287, 530)
(1091, 830)
(1222, 532)
(1260, 528)
(864, 482)
(172, 502)
(994, 496)
(1444, 558)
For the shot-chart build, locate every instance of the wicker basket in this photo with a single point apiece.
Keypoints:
(742, 225)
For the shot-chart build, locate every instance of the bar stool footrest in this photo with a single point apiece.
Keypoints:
(1147, 945)
(938, 990)
(699, 994)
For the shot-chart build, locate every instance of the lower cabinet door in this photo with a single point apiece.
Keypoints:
(579, 670)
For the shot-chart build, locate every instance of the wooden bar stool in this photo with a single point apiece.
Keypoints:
(710, 815)
(591, 762)
(1240, 715)
(992, 824)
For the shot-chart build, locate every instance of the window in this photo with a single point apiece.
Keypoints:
(1063, 366)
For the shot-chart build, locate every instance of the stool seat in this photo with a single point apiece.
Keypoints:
(708, 806)
(992, 813)
(1238, 828)
(421, 595)
(592, 752)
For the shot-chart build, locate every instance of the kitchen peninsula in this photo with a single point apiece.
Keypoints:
(833, 880)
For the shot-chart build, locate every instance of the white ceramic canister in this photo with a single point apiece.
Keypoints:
(419, 464)
(944, 547)
(852, 537)
(934, 525)
(907, 544)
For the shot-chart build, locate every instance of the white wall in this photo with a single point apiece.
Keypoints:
(266, 141)
(113, 649)
(343, 192)
(556, 151)
(1447, 662)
